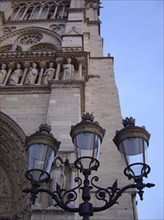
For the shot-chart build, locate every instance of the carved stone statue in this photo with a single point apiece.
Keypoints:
(2, 72)
(32, 75)
(68, 70)
(15, 76)
(57, 174)
(49, 74)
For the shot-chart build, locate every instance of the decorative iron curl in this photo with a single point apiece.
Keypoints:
(71, 195)
(105, 195)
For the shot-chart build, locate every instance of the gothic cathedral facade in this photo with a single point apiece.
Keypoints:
(52, 70)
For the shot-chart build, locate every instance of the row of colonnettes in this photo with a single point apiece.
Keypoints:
(40, 10)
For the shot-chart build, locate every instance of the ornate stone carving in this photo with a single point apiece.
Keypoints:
(32, 31)
(4, 184)
(71, 66)
(57, 27)
(30, 39)
(58, 175)
(7, 30)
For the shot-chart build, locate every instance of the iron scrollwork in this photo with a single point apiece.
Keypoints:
(108, 196)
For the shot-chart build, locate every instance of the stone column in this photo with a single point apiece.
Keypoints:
(47, 11)
(80, 72)
(55, 11)
(59, 61)
(73, 184)
(42, 65)
(11, 67)
(73, 175)
(24, 13)
(16, 13)
(40, 11)
(26, 66)
(63, 11)
(32, 13)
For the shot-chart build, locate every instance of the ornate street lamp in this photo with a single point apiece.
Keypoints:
(41, 149)
(87, 137)
(132, 141)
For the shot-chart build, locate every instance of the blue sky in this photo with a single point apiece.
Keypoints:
(133, 33)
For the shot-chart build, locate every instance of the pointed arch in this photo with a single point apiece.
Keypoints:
(43, 47)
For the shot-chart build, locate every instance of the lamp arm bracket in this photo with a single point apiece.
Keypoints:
(110, 195)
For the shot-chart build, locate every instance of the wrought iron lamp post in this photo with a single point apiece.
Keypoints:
(132, 141)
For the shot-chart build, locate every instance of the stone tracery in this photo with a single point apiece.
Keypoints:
(30, 39)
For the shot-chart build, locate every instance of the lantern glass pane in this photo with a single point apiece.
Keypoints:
(40, 157)
(87, 145)
(134, 152)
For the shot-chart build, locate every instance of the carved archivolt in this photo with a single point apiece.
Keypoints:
(12, 167)
(8, 48)
(7, 30)
(43, 47)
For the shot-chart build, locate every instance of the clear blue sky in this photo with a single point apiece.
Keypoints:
(133, 33)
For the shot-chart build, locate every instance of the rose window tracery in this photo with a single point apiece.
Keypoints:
(30, 39)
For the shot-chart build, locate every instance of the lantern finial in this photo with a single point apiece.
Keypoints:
(88, 117)
(128, 122)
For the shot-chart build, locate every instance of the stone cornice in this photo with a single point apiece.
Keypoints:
(26, 56)
(56, 20)
(34, 55)
(41, 89)
(67, 83)
(93, 22)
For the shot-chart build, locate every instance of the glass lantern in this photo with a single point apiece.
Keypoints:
(41, 149)
(132, 142)
(87, 137)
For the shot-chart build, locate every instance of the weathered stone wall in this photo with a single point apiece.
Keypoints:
(102, 99)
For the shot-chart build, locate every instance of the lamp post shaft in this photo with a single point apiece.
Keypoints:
(86, 207)
(86, 217)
